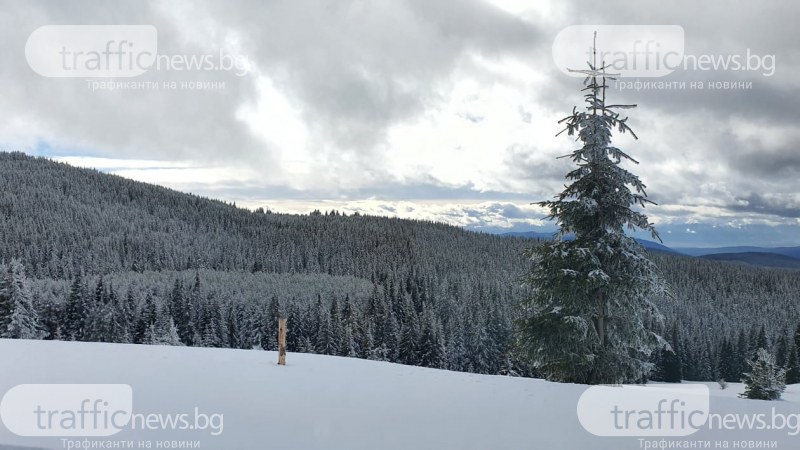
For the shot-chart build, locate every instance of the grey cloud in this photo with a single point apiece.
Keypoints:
(142, 123)
(542, 172)
(754, 161)
(710, 28)
(757, 203)
(352, 68)
(357, 68)
(512, 211)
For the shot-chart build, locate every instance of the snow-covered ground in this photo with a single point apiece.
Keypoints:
(323, 402)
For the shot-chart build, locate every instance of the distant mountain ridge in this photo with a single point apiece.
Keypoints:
(792, 252)
(778, 257)
(761, 259)
(650, 245)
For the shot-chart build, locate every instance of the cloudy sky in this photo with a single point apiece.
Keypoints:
(434, 109)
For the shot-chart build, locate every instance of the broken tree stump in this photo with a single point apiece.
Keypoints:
(282, 342)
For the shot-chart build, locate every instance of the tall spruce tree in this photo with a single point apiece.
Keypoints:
(147, 317)
(726, 362)
(6, 305)
(269, 328)
(23, 322)
(671, 359)
(782, 350)
(77, 310)
(740, 356)
(592, 296)
(796, 337)
(792, 366)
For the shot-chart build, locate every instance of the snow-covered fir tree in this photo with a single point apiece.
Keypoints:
(146, 319)
(163, 331)
(668, 361)
(592, 296)
(21, 319)
(764, 380)
(269, 330)
(6, 307)
(792, 366)
(77, 310)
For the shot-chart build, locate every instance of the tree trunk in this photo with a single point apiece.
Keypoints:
(601, 318)
(282, 342)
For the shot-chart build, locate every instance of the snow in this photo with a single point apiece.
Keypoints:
(324, 402)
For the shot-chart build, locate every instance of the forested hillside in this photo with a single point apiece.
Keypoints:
(108, 259)
(63, 220)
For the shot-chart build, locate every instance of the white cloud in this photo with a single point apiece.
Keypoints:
(277, 121)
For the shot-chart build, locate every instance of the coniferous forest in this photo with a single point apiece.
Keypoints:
(88, 256)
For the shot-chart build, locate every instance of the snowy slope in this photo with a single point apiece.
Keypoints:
(322, 402)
